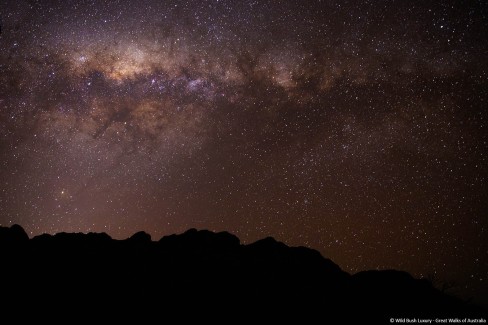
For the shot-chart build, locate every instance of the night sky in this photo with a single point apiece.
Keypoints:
(357, 128)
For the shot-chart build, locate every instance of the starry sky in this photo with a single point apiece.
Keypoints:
(357, 128)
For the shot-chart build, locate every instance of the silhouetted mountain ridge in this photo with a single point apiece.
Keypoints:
(206, 272)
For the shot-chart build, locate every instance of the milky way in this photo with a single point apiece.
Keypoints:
(357, 128)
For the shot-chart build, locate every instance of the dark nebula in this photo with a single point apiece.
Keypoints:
(357, 128)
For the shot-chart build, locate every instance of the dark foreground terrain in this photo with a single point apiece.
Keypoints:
(200, 274)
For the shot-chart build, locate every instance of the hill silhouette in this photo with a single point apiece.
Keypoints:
(207, 275)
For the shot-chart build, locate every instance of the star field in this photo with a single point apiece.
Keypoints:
(358, 128)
